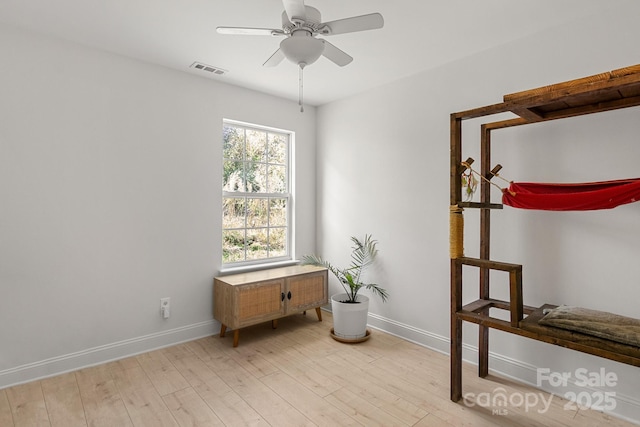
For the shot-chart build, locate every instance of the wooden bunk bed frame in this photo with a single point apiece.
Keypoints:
(603, 92)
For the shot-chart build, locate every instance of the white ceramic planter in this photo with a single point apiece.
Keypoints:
(349, 320)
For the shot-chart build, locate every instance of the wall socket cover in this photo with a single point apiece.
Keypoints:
(165, 307)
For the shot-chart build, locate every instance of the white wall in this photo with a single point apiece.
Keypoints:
(110, 177)
(383, 168)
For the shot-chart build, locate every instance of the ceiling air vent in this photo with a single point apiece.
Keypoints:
(208, 68)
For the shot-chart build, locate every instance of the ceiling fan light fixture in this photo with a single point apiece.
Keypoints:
(302, 49)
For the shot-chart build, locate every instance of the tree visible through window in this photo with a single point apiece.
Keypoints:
(255, 194)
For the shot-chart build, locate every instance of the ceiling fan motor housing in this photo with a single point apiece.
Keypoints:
(301, 47)
(312, 18)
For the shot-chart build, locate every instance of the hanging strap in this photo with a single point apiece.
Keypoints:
(468, 166)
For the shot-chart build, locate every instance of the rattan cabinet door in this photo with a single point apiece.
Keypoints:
(259, 302)
(306, 291)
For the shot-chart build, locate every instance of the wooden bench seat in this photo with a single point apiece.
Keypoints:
(577, 341)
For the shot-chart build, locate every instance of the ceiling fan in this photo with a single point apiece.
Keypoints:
(300, 26)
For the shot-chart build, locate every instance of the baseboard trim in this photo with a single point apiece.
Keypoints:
(105, 353)
(627, 407)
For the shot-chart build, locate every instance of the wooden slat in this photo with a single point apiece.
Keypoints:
(455, 159)
(485, 263)
(633, 69)
(146, 408)
(361, 409)
(455, 352)
(27, 405)
(532, 104)
(611, 80)
(515, 296)
(580, 342)
(103, 405)
(297, 394)
(225, 403)
(630, 91)
(567, 86)
(530, 114)
(599, 107)
(189, 409)
(479, 305)
(271, 406)
(484, 320)
(64, 404)
(477, 205)
(240, 279)
(6, 419)
(596, 344)
(164, 376)
(144, 405)
(482, 111)
(598, 88)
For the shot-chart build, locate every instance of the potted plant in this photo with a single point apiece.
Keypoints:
(350, 308)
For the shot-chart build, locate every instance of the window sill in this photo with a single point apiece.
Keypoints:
(256, 267)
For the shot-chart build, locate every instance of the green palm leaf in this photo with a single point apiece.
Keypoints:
(363, 254)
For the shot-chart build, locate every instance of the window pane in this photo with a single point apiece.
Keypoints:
(277, 179)
(277, 212)
(233, 213)
(233, 176)
(257, 213)
(278, 148)
(257, 244)
(277, 242)
(233, 138)
(256, 146)
(256, 178)
(232, 246)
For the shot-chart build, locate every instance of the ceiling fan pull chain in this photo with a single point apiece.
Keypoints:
(300, 88)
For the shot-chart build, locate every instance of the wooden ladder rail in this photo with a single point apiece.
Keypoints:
(478, 312)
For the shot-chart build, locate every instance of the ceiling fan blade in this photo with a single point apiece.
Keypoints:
(274, 59)
(250, 31)
(336, 55)
(295, 9)
(371, 21)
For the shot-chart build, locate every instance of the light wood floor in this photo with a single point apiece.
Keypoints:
(293, 376)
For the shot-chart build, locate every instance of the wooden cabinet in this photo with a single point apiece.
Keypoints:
(246, 299)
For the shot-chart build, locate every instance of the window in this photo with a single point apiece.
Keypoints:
(256, 195)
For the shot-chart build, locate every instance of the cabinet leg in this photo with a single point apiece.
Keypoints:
(236, 337)
(274, 323)
(319, 313)
(223, 329)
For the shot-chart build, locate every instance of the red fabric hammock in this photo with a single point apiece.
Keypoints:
(572, 197)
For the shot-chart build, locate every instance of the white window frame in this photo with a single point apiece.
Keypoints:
(288, 195)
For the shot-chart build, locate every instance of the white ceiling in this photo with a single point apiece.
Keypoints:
(418, 35)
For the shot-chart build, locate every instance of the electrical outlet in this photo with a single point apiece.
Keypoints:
(165, 307)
